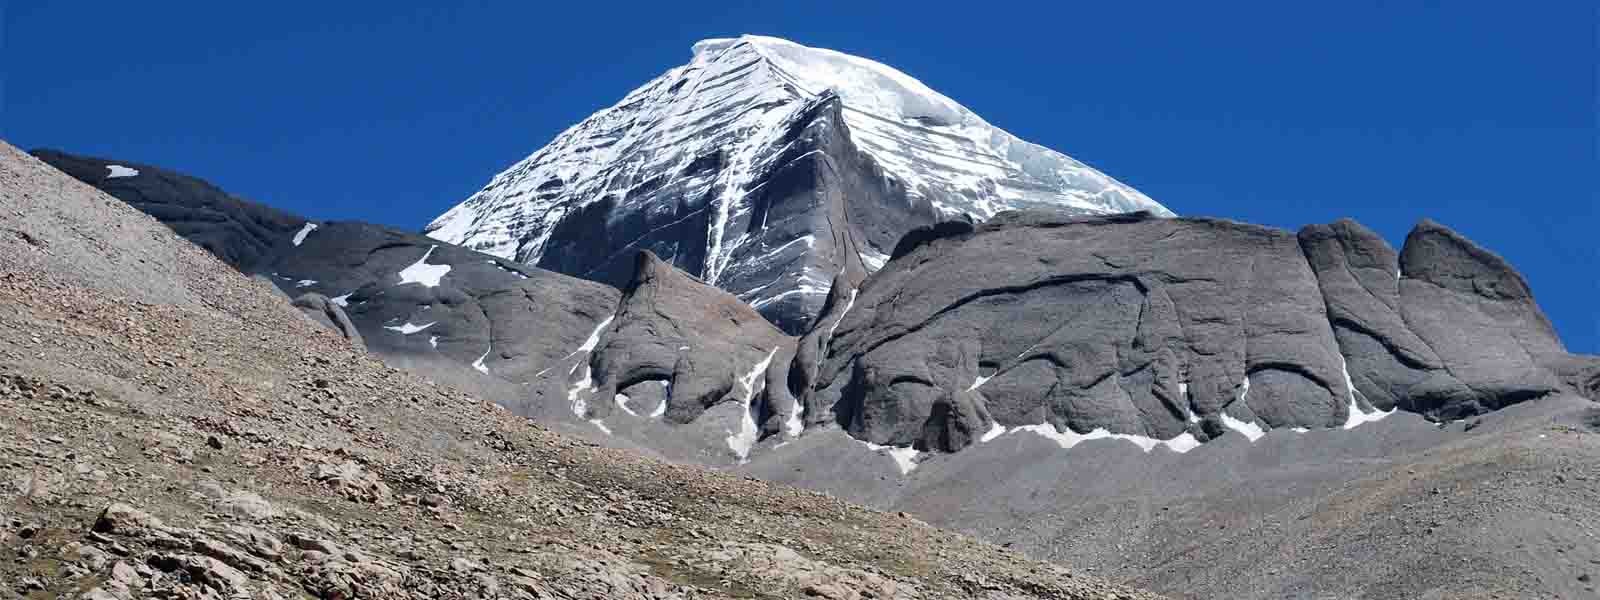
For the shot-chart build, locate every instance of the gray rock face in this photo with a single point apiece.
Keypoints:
(239, 232)
(330, 315)
(408, 294)
(702, 342)
(1161, 327)
(1477, 313)
(814, 205)
(408, 297)
(1133, 324)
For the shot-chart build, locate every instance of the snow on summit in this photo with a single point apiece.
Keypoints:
(917, 134)
(731, 107)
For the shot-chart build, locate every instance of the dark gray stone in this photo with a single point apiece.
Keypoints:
(1479, 317)
(331, 315)
(1084, 323)
(238, 231)
(702, 340)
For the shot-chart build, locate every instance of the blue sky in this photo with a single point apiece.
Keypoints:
(1480, 115)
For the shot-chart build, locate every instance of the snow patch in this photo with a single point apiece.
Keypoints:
(601, 425)
(305, 283)
(742, 441)
(1251, 430)
(622, 403)
(342, 300)
(422, 272)
(120, 171)
(478, 364)
(995, 430)
(1181, 443)
(433, 340)
(300, 236)
(982, 379)
(661, 409)
(904, 458)
(408, 328)
(1356, 417)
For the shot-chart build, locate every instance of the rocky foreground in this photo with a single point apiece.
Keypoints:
(173, 429)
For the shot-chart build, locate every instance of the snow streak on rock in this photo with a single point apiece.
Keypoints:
(1356, 417)
(743, 440)
(305, 230)
(1251, 431)
(120, 171)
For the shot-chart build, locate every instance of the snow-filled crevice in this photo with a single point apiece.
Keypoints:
(1356, 416)
(744, 439)
(1250, 430)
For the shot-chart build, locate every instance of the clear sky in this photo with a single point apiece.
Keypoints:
(1480, 115)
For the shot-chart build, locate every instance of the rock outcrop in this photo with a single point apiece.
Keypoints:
(1165, 328)
(238, 231)
(697, 342)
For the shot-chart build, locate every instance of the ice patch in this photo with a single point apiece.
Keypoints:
(422, 272)
(120, 171)
(300, 236)
(904, 458)
(742, 441)
(408, 328)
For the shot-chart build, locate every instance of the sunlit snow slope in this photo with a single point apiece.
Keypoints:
(673, 168)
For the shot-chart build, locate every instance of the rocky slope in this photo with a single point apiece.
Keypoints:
(177, 430)
(765, 168)
(1288, 398)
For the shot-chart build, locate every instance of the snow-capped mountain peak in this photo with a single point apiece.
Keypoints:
(673, 167)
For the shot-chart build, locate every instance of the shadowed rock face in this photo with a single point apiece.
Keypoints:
(406, 296)
(240, 232)
(1160, 327)
(814, 206)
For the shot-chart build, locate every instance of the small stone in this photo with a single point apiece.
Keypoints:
(214, 442)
